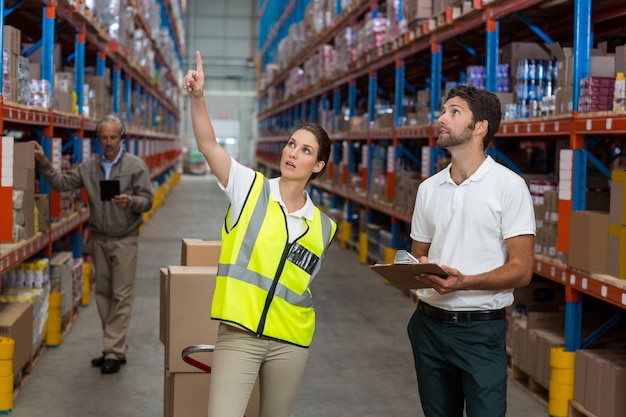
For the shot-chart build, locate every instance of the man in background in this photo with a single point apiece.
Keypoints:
(114, 225)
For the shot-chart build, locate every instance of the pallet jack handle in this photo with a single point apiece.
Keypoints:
(189, 350)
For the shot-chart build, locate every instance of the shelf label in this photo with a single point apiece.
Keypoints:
(623, 294)
(563, 276)
(528, 128)
(553, 271)
(584, 283)
(538, 266)
(572, 279)
(588, 126)
(516, 128)
(604, 291)
(556, 126)
(505, 129)
(542, 127)
(609, 123)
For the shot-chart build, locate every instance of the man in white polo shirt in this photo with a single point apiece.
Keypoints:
(475, 218)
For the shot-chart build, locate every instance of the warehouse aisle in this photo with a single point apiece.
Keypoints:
(360, 362)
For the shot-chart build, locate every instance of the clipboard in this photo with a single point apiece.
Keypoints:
(109, 189)
(402, 276)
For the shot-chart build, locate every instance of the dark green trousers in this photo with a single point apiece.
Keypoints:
(460, 364)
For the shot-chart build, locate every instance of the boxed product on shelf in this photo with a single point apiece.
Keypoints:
(601, 64)
(43, 218)
(16, 322)
(61, 279)
(33, 52)
(588, 241)
(616, 263)
(617, 209)
(600, 380)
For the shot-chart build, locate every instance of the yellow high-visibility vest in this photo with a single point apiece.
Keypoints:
(264, 287)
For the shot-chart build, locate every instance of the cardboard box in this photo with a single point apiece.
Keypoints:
(589, 241)
(187, 395)
(546, 339)
(620, 59)
(24, 178)
(163, 293)
(512, 52)
(613, 380)
(617, 205)
(34, 55)
(601, 64)
(63, 101)
(24, 155)
(43, 219)
(198, 252)
(189, 296)
(616, 262)
(590, 388)
(540, 295)
(16, 322)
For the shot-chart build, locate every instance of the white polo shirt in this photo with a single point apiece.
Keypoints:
(240, 180)
(466, 226)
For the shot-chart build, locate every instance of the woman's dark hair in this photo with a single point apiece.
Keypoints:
(323, 141)
(483, 105)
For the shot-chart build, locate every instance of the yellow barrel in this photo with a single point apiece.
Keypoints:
(7, 348)
(54, 324)
(561, 359)
(558, 408)
(54, 313)
(6, 367)
(6, 401)
(561, 388)
(56, 299)
(345, 231)
(562, 375)
(389, 254)
(363, 248)
(86, 290)
(561, 391)
(53, 338)
(6, 383)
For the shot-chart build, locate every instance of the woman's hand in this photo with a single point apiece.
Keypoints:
(193, 81)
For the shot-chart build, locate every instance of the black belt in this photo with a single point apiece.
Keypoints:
(446, 316)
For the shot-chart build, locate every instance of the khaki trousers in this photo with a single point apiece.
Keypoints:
(115, 260)
(239, 357)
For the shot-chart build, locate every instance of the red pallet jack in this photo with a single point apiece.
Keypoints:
(190, 350)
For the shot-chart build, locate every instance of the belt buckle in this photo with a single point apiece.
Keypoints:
(450, 317)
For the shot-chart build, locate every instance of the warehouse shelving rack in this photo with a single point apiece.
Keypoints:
(156, 141)
(481, 24)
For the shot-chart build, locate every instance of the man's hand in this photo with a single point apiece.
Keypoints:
(122, 200)
(453, 282)
(40, 156)
(194, 80)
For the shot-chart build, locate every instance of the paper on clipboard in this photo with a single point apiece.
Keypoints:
(402, 276)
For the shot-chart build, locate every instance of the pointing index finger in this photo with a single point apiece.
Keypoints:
(199, 68)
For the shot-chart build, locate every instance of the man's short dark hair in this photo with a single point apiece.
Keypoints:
(484, 105)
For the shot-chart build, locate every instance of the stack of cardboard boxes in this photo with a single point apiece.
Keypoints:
(186, 294)
(23, 191)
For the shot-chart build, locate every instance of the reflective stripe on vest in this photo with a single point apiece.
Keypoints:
(263, 292)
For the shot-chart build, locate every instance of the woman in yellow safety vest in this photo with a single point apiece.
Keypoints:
(273, 243)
